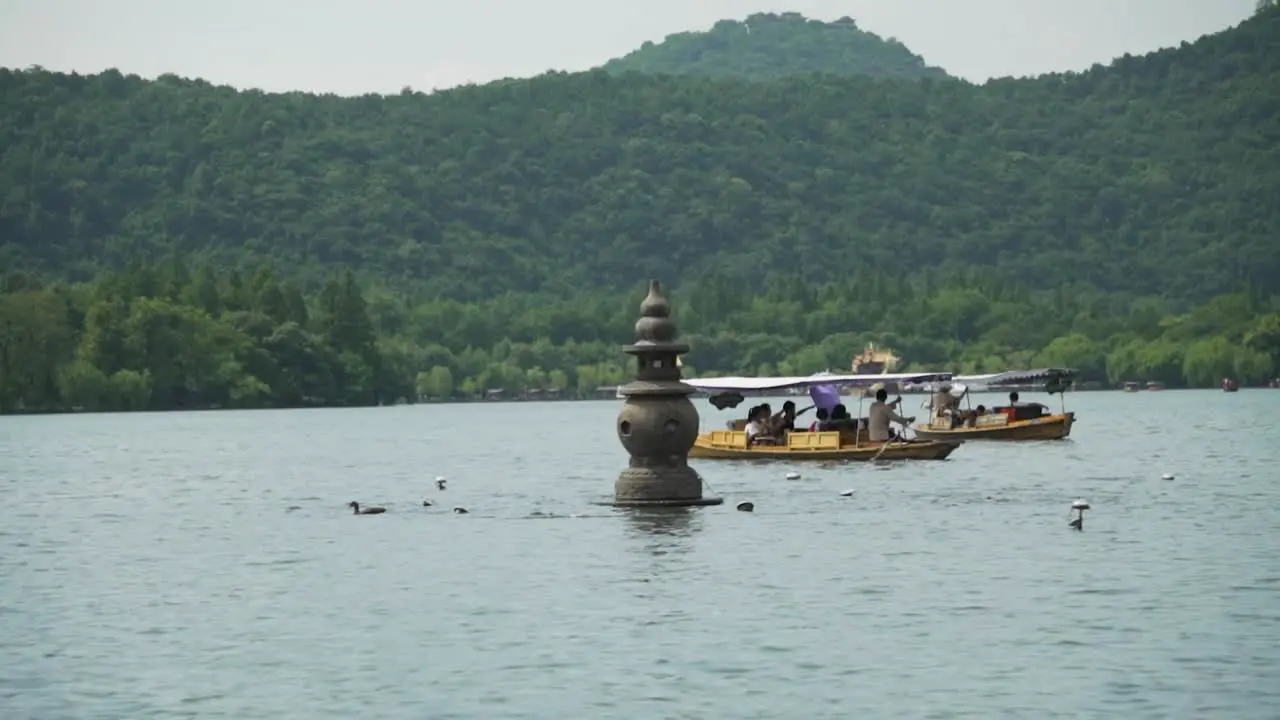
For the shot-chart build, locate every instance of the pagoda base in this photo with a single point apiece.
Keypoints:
(666, 484)
(673, 503)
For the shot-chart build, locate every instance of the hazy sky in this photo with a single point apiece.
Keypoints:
(355, 46)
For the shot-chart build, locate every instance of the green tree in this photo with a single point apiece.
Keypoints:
(348, 329)
(1075, 351)
(1264, 337)
(588, 380)
(439, 383)
(131, 390)
(1208, 361)
(557, 379)
(1251, 366)
(84, 386)
(35, 339)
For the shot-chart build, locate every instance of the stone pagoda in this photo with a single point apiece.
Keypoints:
(658, 424)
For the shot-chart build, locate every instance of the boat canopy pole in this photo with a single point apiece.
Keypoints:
(857, 424)
(906, 425)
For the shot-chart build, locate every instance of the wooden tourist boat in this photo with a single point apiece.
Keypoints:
(845, 444)
(1024, 421)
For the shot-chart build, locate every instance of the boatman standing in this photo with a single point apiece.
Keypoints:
(945, 404)
(881, 414)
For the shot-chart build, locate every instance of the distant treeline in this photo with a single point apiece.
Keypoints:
(158, 337)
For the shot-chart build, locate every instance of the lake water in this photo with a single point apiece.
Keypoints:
(152, 568)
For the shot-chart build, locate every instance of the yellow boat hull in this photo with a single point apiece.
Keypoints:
(731, 445)
(1050, 427)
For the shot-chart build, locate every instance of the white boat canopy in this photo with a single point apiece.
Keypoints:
(750, 384)
(1018, 377)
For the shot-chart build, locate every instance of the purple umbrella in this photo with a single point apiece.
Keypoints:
(824, 397)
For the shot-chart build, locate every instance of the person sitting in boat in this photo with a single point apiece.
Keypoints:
(785, 421)
(758, 432)
(773, 422)
(840, 420)
(1023, 411)
(881, 415)
(820, 421)
(1013, 401)
(767, 410)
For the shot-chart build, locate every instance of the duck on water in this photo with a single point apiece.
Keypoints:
(371, 510)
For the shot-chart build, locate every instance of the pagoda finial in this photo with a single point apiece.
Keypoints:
(655, 324)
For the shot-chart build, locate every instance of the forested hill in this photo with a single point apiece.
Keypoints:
(969, 228)
(1156, 175)
(767, 46)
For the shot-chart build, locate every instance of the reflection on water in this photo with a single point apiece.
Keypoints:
(205, 565)
(663, 531)
(672, 521)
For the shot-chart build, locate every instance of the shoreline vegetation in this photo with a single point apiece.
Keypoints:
(165, 337)
(605, 394)
(506, 400)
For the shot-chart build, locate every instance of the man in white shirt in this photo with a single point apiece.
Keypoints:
(881, 414)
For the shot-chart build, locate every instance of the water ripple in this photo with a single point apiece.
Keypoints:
(205, 565)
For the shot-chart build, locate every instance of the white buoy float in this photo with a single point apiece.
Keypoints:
(793, 476)
(1167, 476)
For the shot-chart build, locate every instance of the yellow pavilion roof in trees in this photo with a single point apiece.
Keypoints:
(873, 355)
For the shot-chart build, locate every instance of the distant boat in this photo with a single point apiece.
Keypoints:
(1020, 421)
(1155, 385)
(849, 442)
(1230, 385)
(1131, 387)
